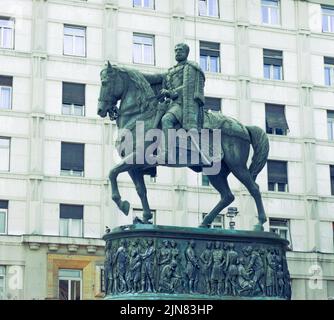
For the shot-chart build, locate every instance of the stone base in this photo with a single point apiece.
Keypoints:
(167, 263)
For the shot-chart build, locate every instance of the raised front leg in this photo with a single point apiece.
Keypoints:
(124, 206)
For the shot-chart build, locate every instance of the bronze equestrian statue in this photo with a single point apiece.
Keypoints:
(175, 100)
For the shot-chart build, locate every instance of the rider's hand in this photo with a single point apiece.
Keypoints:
(165, 93)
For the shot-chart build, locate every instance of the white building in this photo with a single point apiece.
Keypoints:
(268, 63)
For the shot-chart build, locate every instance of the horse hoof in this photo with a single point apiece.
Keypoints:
(125, 207)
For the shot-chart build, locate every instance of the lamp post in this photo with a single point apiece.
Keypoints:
(232, 213)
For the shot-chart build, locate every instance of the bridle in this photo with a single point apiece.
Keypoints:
(110, 100)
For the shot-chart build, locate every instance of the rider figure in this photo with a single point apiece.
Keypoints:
(183, 89)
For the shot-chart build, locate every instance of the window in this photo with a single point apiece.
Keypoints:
(139, 213)
(330, 124)
(72, 159)
(331, 171)
(275, 119)
(270, 11)
(218, 222)
(327, 19)
(329, 71)
(6, 33)
(4, 154)
(212, 104)
(144, 3)
(3, 216)
(208, 8)
(74, 41)
(143, 49)
(273, 64)
(73, 99)
(71, 217)
(205, 180)
(209, 56)
(2, 282)
(6, 84)
(280, 227)
(70, 284)
(277, 176)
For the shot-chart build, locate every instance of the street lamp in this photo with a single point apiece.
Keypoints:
(232, 213)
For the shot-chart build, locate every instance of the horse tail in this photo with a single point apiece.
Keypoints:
(260, 144)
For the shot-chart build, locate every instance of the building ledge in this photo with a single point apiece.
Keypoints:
(56, 240)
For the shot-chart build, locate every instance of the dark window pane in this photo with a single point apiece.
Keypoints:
(272, 57)
(209, 49)
(213, 104)
(6, 81)
(331, 168)
(277, 172)
(75, 290)
(3, 204)
(71, 211)
(72, 156)
(73, 93)
(271, 186)
(329, 60)
(281, 187)
(63, 290)
(275, 118)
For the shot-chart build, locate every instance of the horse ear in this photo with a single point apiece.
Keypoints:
(109, 65)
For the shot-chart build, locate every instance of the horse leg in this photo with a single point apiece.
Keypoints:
(219, 182)
(137, 177)
(243, 174)
(124, 206)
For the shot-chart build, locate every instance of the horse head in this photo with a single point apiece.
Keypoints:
(112, 88)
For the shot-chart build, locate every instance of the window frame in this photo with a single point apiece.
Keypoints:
(277, 185)
(10, 97)
(216, 224)
(207, 9)
(12, 46)
(331, 178)
(9, 152)
(74, 54)
(219, 102)
(272, 65)
(142, 5)
(270, 8)
(5, 212)
(148, 36)
(70, 221)
(274, 130)
(208, 57)
(330, 125)
(329, 16)
(69, 228)
(70, 279)
(140, 213)
(281, 228)
(71, 172)
(330, 68)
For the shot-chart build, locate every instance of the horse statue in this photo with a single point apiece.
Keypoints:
(138, 102)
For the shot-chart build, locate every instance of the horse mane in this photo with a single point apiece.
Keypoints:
(144, 89)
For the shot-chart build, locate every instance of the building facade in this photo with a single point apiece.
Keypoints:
(268, 63)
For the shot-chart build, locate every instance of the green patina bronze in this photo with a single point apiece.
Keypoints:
(162, 262)
(175, 100)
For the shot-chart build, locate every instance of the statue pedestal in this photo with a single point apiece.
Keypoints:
(163, 263)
